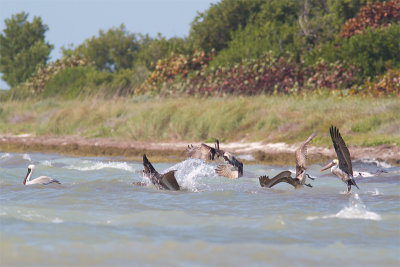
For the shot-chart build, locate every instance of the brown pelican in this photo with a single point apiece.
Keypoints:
(44, 180)
(341, 167)
(285, 176)
(233, 168)
(162, 181)
(202, 151)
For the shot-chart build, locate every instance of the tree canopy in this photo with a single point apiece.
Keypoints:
(22, 48)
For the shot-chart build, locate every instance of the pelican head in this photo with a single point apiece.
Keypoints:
(30, 169)
(334, 162)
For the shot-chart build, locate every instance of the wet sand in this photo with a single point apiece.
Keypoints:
(271, 153)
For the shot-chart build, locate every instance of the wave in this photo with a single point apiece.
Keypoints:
(355, 210)
(374, 193)
(27, 157)
(376, 162)
(87, 165)
(5, 156)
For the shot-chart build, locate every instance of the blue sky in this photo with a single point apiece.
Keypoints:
(72, 21)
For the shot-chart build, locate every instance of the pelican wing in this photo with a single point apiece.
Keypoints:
(232, 160)
(284, 176)
(202, 151)
(342, 151)
(148, 167)
(301, 156)
(228, 171)
(168, 181)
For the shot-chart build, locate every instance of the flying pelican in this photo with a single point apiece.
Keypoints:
(162, 181)
(285, 176)
(341, 167)
(44, 180)
(233, 168)
(202, 151)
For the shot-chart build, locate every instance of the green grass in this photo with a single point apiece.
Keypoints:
(363, 121)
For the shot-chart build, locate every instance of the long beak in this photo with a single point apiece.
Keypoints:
(26, 176)
(327, 166)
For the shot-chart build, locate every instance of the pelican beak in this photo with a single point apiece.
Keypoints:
(24, 182)
(327, 166)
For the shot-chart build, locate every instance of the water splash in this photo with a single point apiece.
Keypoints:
(374, 193)
(57, 220)
(355, 210)
(27, 157)
(190, 172)
(88, 165)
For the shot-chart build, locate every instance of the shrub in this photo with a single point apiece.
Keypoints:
(387, 84)
(265, 75)
(374, 51)
(374, 15)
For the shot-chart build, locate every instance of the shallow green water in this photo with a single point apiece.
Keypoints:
(97, 217)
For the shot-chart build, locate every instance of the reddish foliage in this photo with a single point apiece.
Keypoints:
(388, 84)
(265, 75)
(374, 15)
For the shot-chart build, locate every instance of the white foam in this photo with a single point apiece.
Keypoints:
(362, 174)
(355, 210)
(189, 172)
(98, 165)
(27, 157)
(47, 163)
(57, 220)
(5, 156)
(377, 163)
(247, 157)
(375, 193)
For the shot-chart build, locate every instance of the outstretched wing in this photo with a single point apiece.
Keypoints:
(301, 156)
(342, 151)
(202, 151)
(148, 167)
(284, 176)
(228, 171)
(168, 181)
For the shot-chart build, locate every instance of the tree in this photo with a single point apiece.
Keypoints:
(113, 50)
(22, 48)
(213, 28)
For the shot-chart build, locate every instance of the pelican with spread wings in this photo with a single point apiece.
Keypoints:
(341, 167)
(233, 168)
(285, 176)
(202, 151)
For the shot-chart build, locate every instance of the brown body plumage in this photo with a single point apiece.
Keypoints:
(342, 166)
(161, 181)
(285, 176)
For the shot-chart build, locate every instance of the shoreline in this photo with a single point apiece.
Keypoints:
(249, 152)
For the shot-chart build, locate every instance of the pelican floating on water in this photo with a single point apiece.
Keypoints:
(162, 181)
(44, 180)
(202, 151)
(341, 167)
(285, 176)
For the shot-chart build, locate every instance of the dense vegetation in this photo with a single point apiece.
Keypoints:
(275, 118)
(236, 47)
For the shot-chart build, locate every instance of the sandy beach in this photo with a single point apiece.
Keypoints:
(275, 153)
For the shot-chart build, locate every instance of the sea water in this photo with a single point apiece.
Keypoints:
(98, 217)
